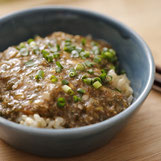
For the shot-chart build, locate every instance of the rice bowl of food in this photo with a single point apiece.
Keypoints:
(70, 84)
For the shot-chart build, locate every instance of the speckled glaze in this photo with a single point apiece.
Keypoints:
(134, 56)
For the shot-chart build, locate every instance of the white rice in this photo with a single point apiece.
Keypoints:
(37, 121)
(122, 83)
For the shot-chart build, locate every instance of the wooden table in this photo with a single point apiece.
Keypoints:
(140, 140)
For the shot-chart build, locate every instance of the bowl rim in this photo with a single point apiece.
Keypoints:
(100, 125)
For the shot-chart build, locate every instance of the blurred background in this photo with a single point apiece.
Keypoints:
(144, 16)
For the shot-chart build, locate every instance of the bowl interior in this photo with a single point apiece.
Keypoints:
(131, 53)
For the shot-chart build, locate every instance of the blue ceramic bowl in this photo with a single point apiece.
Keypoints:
(134, 56)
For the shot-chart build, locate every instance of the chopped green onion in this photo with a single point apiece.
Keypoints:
(56, 55)
(21, 45)
(76, 98)
(59, 67)
(40, 75)
(24, 52)
(45, 53)
(88, 63)
(30, 63)
(90, 71)
(61, 102)
(103, 74)
(80, 67)
(58, 47)
(75, 54)
(96, 50)
(81, 91)
(97, 59)
(103, 71)
(49, 59)
(58, 70)
(68, 41)
(72, 73)
(84, 76)
(83, 41)
(47, 56)
(65, 82)
(96, 79)
(85, 54)
(53, 79)
(87, 81)
(50, 44)
(97, 84)
(104, 49)
(107, 55)
(67, 89)
(110, 55)
(69, 48)
(30, 40)
(78, 49)
(33, 44)
(36, 51)
(112, 51)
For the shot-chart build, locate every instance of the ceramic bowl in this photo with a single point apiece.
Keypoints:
(134, 56)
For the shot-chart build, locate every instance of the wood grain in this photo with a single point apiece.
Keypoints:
(140, 140)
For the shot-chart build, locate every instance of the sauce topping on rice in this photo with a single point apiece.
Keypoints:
(61, 81)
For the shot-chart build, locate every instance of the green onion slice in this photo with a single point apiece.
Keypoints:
(97, 84)
(65, 82)
(110, 55)
(59, 67)
(96, 79)
(72, 73)
(53, 79)
(46, 55)
(40, 75)
(97, 59)
(56, 55)
(85, 54)
(67, 89)
(79, 67)
(30, 63)
(103, 74)
(83, 41)
(74, 54)
(61, 102)
(24, 52)
(89, 63)
(88, 81)
(21, 45)
(30, 40)
(96, 50)
(58, 47)
(81, 91)
(90, 71)
(76, 98)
